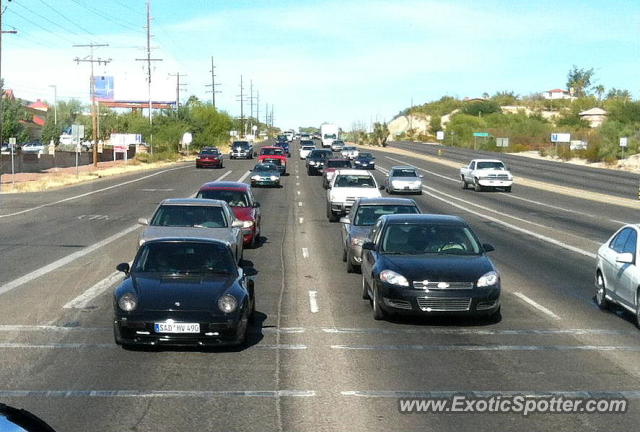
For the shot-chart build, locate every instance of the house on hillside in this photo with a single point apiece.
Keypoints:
(595, 116)
(556, 94)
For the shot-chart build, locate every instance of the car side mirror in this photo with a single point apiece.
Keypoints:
(124, 268)
(487, 247)
(241, 274)
(420, 175)
(369, 245)
(345, 220)
(381, 187)
(256, 204)
(237, 224)
(143, 221)
(625, 258)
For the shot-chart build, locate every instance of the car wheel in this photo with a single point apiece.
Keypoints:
(601, 293)
(378, 313)
(507, 189)
(344, 254)
(350, 267)
(365, 289)
(495, 317)
(477, 186)
(638, 309)
(464, 184)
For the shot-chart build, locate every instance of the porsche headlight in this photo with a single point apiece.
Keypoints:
(393, 278)
(357, 242)
(488, 279)
(227, 303)
(128, 302)
(255, 177)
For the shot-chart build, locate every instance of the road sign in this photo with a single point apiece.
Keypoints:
(481, 134)
(12, 142)
(77, 132)
(440, 135)
(502, 142)
(578, 145)
(560, 137)
(624, 142)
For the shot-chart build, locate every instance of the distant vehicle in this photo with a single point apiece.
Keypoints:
(617, 273)
(241, 200)
(365, 161)
(428, 264)
(403, 179)
(209, 157)
(486, 174)
(330, 169)
(306, 147)
(289, 134)
(32, 147)
(305, 137)
(329, 133)
(357, 225)
(350, 152)
(284, 146)
(195, 218)
(272, 153)
(337, 145)
(346, 186)
(197, 280)
(265, 174)
(241, 150)
(316, 159)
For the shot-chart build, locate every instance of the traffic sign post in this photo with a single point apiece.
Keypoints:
(502, 142)
(476, 135)
(12, 145)
(624, 143)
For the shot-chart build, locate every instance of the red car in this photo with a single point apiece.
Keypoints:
(209, 157)
(272, 152)
(240, 198)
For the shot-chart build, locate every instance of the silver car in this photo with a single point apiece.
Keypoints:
(357, 225)
(403, 179)
(195, 218)
(617, 272)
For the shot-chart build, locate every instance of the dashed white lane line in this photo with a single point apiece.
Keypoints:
(64, 261)
(299, 203)
(441, 394)
(300, 220)
(298, 192)
(305, 253)
(84, 299)
(297, 184)
(244, 176)
(536, 305)
(92, 192)
(313, 301)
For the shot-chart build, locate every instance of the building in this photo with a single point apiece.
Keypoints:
(557, 94)
(595, 116)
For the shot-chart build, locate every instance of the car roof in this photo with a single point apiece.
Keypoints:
(424, 218)
(402, 167)
(225, 185)
(386, 201)
(353, 172)
(200, 202)
(171, 239)
(488, 160)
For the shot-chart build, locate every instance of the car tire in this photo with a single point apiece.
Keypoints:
(507, 189)
(495, 317)
(477, 186)
(465, 186)
(344, 254)
(378, 313)
(350, 267)
(638, 309)
(601, 293)
(365, 289)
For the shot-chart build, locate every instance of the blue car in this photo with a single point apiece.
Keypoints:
(365, 161)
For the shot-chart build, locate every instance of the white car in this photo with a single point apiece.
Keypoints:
(346, 186)
(350, 152)
(403, 179)
(305, 150)
(337, 145)
(486, 174)
(617, 272)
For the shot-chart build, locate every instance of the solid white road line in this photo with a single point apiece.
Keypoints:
(218, 179)
(64, 261)
(487, 347)
(305, 253)
(84, 299)
(536, 305)
(313, 301)
(206, 394)
(92, 192)
(244, 176)
(628, 394)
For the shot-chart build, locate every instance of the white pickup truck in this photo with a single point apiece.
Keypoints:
(346, 186)
(486, 174)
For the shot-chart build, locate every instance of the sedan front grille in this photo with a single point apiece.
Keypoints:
(442, 285)
(443, 304)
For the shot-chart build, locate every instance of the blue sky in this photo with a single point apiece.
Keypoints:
(336, 60)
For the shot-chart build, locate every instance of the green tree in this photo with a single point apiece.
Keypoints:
(579, 80)
(481, 108)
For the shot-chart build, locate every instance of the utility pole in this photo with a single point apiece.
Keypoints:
(271, 115)
(2, 10)
(258, 112)
(251, 105)
(241, 100)
(55, 103)
(149, 60)
(213, 84)
(266, 114)
(92, 61)
(179, 86)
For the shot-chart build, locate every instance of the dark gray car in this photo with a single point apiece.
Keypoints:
(357, 225)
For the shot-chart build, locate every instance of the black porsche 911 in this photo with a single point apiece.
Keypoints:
(183, 291)
(428, 264)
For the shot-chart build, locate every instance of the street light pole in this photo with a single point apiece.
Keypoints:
(55, 104)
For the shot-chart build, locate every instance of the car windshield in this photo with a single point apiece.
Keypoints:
(322, 154)
(307, 143)
(491, 165)
(265, 168)
(418, 239)
(338, 164)
(235, 198)
(210, 152)
(189, 216)
(308, 147)
(241, 144)
(404, 172)
(367, 215)
(348, 148)
(365, 156)
(271, 151)
(355, 181)
(184, 258)
(277, 162)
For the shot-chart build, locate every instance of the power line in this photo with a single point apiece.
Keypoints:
(39, 26)
(74, 23)
(46, 19)
(126, 6)
(114, 20)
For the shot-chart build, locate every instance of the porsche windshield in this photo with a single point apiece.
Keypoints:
(184, 258)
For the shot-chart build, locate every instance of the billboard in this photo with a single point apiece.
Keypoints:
(103, 86)
(560, 137)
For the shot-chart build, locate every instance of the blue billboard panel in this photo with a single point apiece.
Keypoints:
(103, 87)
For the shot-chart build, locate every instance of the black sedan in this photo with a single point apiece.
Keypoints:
(365, 161)
(183, 292)
(428, 265)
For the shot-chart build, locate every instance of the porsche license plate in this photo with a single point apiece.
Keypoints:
(177, 327)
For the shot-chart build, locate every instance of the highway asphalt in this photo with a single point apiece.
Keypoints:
(316, 360)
